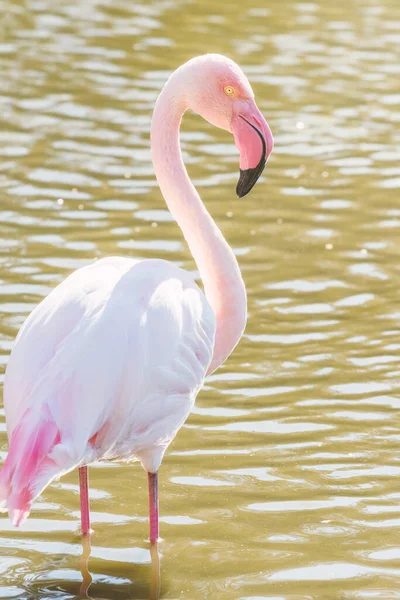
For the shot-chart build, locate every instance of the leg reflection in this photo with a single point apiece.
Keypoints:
(87, 578)
(155, 583)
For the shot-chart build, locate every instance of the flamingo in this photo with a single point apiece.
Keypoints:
(109, 364)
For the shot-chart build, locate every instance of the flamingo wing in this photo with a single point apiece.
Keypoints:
(107, 366)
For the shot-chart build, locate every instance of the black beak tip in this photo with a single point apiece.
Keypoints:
(241, 193)
(248, 178)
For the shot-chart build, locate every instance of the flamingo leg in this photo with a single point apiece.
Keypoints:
(153, 505)
(84, 496)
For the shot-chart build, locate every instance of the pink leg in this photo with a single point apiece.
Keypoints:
(153, 504)
(84, 495)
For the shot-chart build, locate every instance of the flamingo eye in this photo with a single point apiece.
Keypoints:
(229, 90)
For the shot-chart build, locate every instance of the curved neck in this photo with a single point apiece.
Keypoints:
(217, 265)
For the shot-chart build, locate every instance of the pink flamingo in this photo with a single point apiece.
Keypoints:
(108, 366)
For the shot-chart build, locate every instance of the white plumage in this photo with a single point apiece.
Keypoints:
(117, 354)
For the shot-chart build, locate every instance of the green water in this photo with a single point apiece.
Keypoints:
(284, 483)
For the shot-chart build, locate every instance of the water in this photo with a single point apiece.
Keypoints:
(284, 482)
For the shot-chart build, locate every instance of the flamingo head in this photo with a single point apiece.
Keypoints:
(220, 92)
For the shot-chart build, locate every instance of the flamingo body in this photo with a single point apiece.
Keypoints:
(109, 384)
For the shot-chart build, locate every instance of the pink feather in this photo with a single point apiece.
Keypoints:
(31, 443)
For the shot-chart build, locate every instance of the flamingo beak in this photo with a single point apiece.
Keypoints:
(254, 141)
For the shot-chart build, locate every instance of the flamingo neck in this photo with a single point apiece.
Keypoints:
(217, 265)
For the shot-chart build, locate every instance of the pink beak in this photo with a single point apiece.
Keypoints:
(254, 141)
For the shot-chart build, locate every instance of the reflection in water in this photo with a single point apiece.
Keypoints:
(155, 585)
(87, 578)
(284, 481)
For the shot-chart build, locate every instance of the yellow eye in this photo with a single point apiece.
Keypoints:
(229, 90)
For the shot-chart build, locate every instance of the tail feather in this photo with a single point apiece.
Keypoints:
(21, 478)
